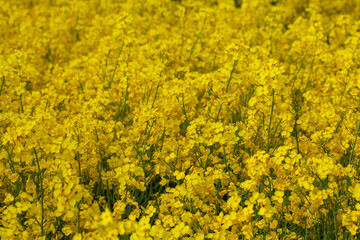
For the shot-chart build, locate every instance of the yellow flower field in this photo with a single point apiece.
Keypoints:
(179, 119)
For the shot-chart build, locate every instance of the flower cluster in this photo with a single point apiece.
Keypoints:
(179, 119)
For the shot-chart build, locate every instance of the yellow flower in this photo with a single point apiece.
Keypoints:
(274, 224)
(8, 198)
(356, 192)
(106, 218)
(67, 230)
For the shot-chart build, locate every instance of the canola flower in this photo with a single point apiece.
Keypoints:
(160, 119)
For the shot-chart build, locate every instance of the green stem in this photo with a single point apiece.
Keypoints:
(353, 147)
(156, 93)
(2, 84)
(78, 221)
(227, 87)
(21, 104)
(41, 193)
(271, 115)
(145, 141)
(196, 40)
(78, 159)
(116, 64)
(106, 64)
(231, 73)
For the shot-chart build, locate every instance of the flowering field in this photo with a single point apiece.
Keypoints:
(179, 119)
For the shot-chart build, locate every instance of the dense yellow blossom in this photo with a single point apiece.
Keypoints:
(179, 119)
